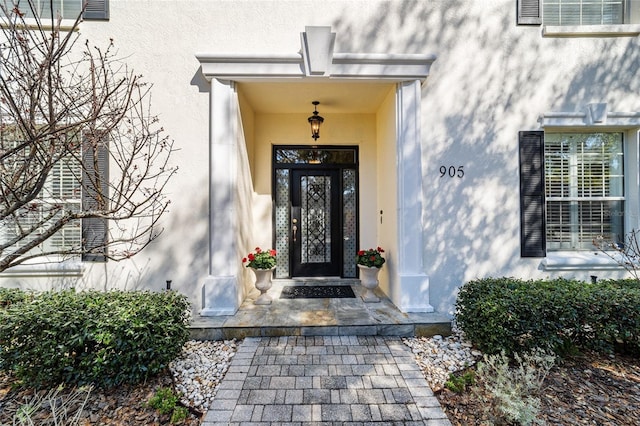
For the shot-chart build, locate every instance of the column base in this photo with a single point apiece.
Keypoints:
(412, 294)
(219, 296)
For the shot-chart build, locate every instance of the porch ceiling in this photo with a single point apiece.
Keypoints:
(296, 97)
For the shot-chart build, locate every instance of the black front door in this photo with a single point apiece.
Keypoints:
(316, 223)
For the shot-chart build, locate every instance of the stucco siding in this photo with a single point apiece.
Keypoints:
(491, 79)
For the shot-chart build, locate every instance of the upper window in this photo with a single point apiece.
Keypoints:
(584, 189)
(582, 17)
(583, 12)
(65, 9)
(45, 9)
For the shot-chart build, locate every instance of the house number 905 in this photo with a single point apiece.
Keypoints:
(452, 171)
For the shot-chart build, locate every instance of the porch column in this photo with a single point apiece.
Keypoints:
(220, 289)
(411, 290)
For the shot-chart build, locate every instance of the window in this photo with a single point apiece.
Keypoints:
(61, 192)
(571, 190)
(583, 12)
(610, 14)
(68, 188)
(584, 189)
(67, 9)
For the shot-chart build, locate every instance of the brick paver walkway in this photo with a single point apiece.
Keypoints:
(329, 380)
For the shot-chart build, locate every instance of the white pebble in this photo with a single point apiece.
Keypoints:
(438, 357)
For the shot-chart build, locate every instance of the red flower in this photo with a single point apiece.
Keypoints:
(252, 257)
(372, 258)
(380, 250)
(360, 252)
(272, 252)
(244, 259)
(258, 250)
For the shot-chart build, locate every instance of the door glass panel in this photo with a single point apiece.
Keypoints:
(315, 156)
(316, 219)
(349, 223)
(282, 203)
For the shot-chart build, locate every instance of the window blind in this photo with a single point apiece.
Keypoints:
(583, 12)
(584, 189)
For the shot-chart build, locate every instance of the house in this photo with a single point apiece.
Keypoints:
(468, 138)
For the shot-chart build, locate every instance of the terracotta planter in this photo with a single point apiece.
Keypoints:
(263, 284)
(369, 280)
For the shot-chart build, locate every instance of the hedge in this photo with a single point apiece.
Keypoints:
(104, 338)
(10, 296)
(515, 315)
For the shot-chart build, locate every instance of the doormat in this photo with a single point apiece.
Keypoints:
(317, 292)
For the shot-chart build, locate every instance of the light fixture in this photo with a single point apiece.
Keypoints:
(315, 120)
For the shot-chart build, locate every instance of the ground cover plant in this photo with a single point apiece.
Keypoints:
(100, 338)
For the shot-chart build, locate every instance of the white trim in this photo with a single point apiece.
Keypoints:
(412, 283)
(67, 268)
(343, 66)
(578, 261)
(621, 30)
(595, 115)
(316, 60)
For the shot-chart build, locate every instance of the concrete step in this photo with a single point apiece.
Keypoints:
(319, 317)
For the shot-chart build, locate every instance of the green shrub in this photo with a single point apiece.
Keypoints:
(512, 315)
(104, 338)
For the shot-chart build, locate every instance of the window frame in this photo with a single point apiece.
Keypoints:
(50, 195)
(574, 171)
(530, 12)
(583, 15)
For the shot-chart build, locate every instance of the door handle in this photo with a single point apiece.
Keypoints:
(295, 229)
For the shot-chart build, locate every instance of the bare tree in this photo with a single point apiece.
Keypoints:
(625, 254)
(83, 162)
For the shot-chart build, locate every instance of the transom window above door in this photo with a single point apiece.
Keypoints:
(315, 155)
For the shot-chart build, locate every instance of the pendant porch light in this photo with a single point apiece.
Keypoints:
(315, 121)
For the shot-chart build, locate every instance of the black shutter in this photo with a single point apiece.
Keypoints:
(529, 12)
(532, 212)
(95, 229)
(96, 10)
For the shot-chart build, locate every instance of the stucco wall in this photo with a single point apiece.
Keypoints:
(490, 80)
(293, 129)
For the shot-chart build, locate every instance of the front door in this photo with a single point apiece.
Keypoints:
(315, 223)
(315, 210)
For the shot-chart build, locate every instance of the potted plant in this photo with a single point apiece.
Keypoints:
(369, 262)
(262, 262)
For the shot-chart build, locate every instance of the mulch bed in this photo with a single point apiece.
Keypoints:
(587, 390)
(122, 405)
(591, 390)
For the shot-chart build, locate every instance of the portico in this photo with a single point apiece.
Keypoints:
(390, 207)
